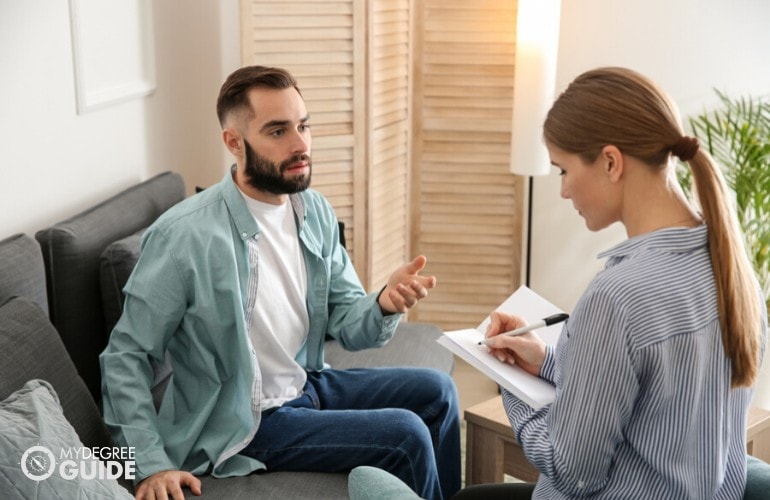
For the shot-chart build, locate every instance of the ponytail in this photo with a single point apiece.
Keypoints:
(737, 295)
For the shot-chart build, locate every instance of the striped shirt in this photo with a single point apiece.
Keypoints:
(643, 405)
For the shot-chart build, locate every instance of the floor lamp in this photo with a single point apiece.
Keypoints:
(537, 40)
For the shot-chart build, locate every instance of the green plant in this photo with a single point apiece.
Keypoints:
(737, 135)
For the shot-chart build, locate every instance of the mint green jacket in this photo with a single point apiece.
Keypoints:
(191, 294)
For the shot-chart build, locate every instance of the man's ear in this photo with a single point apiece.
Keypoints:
(612, 163)
(233, 141)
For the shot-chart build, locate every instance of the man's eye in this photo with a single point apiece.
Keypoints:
(277, 133)
(562, 172)
(304, 127)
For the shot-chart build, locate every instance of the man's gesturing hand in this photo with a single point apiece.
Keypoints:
(406, 287)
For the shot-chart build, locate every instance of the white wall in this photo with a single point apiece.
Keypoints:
(54, 162)
(689, 47)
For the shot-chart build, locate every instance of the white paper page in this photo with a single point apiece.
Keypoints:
(531, 389)
(532, 307)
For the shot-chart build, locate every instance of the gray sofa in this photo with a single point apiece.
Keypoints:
(60, 297)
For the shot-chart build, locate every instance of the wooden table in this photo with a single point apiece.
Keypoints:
(491, 448)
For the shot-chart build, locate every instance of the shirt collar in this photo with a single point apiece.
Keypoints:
(672, 240)
(244, 221)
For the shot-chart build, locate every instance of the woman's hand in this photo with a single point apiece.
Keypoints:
(526, 350)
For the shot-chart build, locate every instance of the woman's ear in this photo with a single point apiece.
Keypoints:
(613, 162)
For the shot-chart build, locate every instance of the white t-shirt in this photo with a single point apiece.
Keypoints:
(279, 324)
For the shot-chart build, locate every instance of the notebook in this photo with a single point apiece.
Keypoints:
(533, 390)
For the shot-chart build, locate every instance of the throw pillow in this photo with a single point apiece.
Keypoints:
(116, 265)
(371, 483)
(34, 436)
(757, 479)
(30, 348)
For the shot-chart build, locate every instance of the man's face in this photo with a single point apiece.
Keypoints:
(288, 177)
(276, 145)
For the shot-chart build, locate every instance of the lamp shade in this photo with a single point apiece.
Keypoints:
(537, 40)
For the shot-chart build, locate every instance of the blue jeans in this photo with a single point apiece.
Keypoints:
(403, 420)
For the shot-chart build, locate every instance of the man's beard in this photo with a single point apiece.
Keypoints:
(265, 175)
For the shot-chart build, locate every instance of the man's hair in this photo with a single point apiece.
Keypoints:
(234, 94)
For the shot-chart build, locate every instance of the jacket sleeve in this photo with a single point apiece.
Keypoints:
(154, 305)
(355, 318)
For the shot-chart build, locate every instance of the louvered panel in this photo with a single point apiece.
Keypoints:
(316, 41)
(292, 46)
(469, 207)
(333, 81)
(307, 57)
(306, 7)
(389, 142)
(389, 145)
(391, 137)
(300, 34)
(334, 179)
(449, 58)
(282, 21)
(464, 36)
(387, 203)
(479, 6)
(467, 140)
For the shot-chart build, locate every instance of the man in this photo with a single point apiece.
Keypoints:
(239, 286)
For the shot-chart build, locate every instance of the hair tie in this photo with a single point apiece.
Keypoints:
(685, 148)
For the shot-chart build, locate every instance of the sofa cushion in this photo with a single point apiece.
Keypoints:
(414, 344)
(30, 348)
(72, 250)
(117, 263)
(21, 270)
(34, 437)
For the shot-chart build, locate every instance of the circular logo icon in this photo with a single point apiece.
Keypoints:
(37, 463)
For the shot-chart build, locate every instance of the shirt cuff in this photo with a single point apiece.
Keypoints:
(549, 364)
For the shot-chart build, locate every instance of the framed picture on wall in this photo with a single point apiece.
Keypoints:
(113, 51)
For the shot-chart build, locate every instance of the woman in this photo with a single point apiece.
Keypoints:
(654, 369)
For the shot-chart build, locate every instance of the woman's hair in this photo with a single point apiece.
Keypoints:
(617, 106)
(234, 94)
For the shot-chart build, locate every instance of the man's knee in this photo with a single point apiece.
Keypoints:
(438, 381)
(405, 430)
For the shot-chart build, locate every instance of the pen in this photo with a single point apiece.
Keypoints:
(550, 320)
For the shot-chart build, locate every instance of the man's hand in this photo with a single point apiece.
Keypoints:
(405, 287)
(167, 484)
(526, 350)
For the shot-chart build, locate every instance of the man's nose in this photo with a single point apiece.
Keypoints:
(301, 143)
